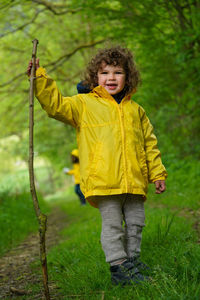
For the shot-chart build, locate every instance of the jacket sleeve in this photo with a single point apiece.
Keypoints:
(65, 109)
(156, 170)
(70, 172)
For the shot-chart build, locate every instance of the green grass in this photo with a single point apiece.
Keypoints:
(17, 216)
(17, 219)
(183, 187)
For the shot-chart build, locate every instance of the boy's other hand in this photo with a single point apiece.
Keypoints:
(31, 64)
(160, 186)
(65, 170)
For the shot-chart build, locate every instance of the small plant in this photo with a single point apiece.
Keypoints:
(163, 228)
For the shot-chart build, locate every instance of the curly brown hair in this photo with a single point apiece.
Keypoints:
(115, 56)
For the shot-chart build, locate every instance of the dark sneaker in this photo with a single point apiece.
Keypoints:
(125, 274)
(142, 267)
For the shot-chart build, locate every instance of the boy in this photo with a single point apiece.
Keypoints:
(117, 150)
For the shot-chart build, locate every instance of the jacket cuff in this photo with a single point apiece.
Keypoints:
(159, 178)
(41, 72)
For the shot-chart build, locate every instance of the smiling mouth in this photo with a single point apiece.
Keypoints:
(111, 85)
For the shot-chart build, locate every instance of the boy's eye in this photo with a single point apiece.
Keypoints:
(118, 72)
(104, 72)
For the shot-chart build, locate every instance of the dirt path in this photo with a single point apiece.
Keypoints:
(15, 269)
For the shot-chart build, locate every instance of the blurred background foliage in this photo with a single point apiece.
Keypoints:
(164, 37)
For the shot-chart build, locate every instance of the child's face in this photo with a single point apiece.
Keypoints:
(112, 78)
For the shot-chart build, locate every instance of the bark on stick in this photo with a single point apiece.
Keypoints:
(42, 219)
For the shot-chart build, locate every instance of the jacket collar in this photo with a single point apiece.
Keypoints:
(100, 91)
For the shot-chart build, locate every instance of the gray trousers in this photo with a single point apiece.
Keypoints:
(118, 241)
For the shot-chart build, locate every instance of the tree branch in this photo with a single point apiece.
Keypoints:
(65, 77)
(13, 79)
(65, 57)
(57, 62)
(24, 25)
(13, 49)
(8, 5)
(52, 7)
(181, 17)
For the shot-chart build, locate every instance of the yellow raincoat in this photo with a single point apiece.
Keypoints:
(75, 172)
(117, 148)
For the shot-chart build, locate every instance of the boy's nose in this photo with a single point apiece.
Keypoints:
(111, 76)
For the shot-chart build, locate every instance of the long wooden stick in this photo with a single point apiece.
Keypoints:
(42, 219)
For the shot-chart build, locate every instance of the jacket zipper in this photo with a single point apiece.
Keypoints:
(121, 117)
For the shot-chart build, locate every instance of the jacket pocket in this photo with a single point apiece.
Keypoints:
(143, 164)
(95, 159)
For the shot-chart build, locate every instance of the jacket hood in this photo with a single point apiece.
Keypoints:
(99, 90)
(83, 88)
(102, 92)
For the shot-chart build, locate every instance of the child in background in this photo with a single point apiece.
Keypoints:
(117, 150)
(76, 173)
